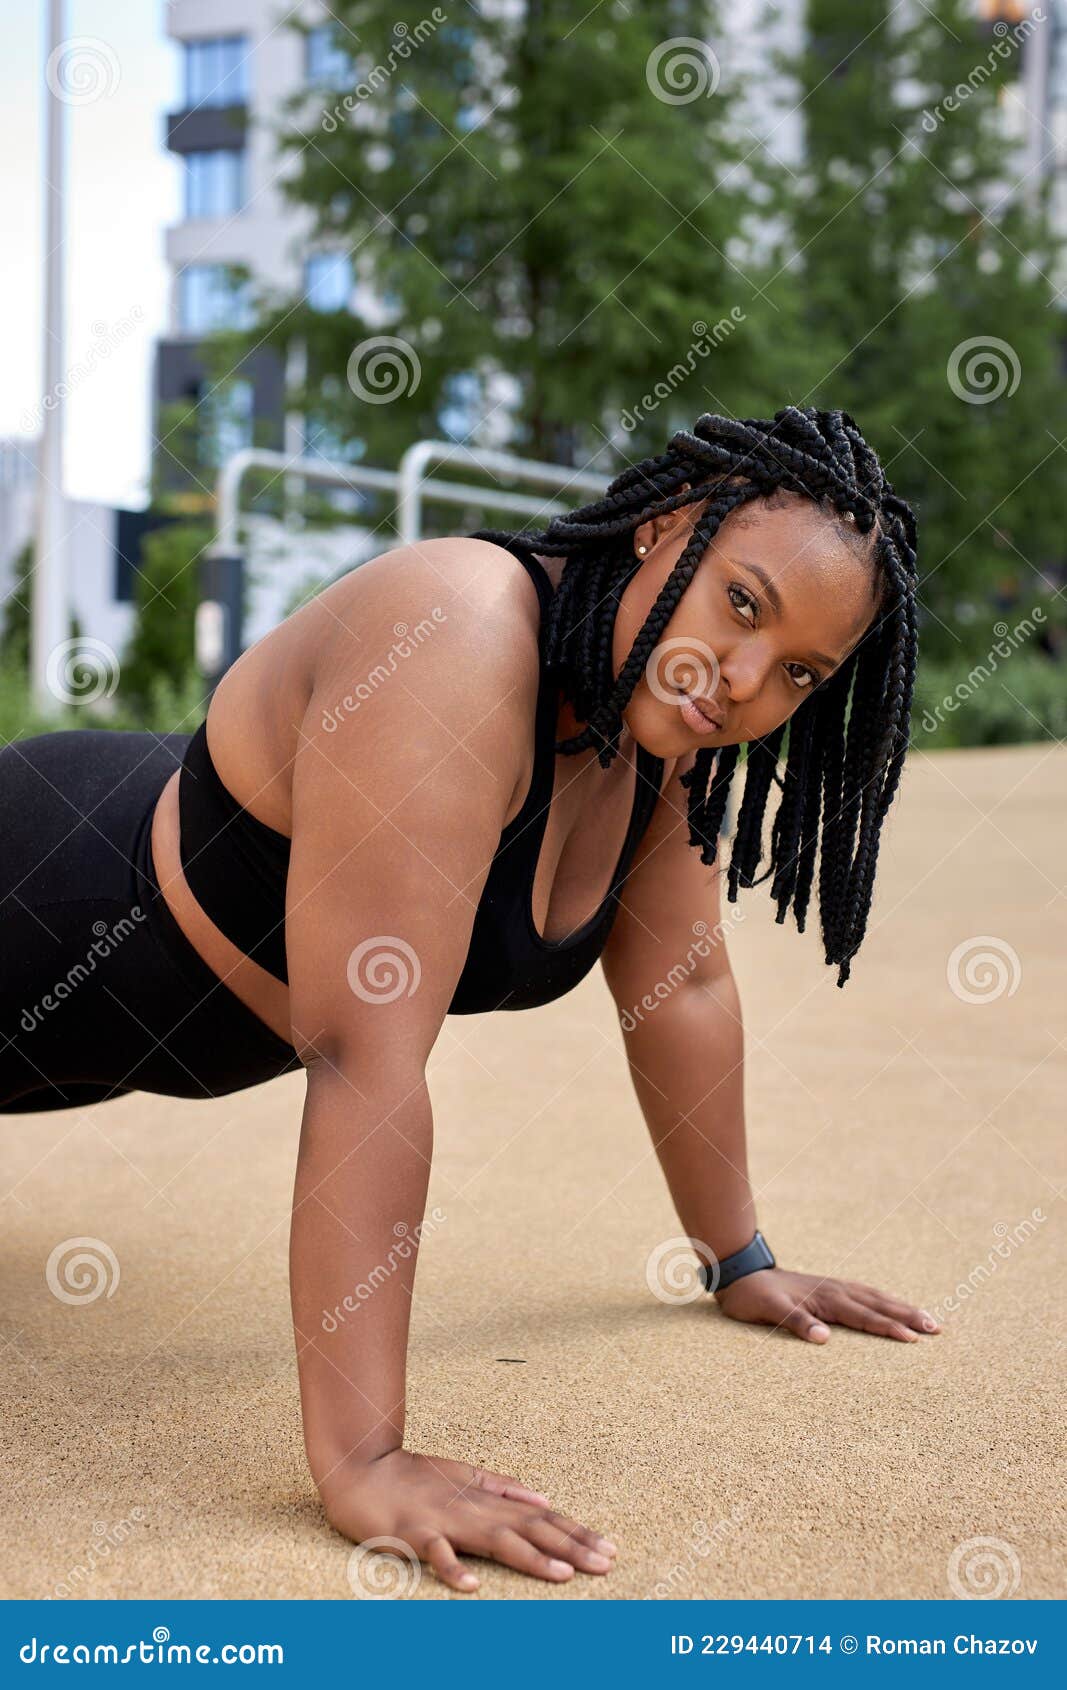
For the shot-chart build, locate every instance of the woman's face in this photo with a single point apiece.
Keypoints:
(777, 602)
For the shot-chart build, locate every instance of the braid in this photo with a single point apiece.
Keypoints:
(846, 745)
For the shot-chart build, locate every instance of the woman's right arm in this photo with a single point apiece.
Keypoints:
(399, 800)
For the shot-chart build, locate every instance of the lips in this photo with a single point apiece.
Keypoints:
(700, 714)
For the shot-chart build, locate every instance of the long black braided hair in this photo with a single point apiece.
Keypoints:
(845, 745)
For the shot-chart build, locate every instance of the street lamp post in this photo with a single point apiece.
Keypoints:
(49, 619)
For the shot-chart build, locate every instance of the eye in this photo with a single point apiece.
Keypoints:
(801, 676)
(742, 601)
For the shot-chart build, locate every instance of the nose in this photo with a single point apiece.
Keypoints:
(743, 671)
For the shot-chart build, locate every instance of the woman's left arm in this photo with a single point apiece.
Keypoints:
(667, 968)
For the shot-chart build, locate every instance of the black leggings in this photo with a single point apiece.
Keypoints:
(100, 991)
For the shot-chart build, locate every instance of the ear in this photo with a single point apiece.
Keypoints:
(656, 528)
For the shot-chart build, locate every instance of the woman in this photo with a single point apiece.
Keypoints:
(366, 836)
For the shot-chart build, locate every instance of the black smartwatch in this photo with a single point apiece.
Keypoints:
(754, 1256)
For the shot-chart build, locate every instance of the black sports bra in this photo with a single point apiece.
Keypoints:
(236, 867)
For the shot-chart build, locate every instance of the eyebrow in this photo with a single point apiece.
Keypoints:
(773, 595)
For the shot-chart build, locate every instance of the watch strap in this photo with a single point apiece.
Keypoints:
(755, 1255)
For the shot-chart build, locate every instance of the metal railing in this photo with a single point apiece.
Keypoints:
(219, 614)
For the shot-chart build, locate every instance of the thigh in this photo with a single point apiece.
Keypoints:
(73, 1095)
(100, 991)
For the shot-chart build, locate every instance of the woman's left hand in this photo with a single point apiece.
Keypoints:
(808, 1306)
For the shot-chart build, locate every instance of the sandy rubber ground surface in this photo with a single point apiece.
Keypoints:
(899, 1134)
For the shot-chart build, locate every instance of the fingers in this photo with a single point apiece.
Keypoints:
(583, 1534)
(568, 1546)
(499, 1484)
(917, 1319)
(532, 1540)
(507, 1545)
(446, 1563)
(849, 1312)
(806, 1325)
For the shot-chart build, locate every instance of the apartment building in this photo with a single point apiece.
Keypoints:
(241, 60)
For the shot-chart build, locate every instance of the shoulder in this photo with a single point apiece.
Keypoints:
(460, 603)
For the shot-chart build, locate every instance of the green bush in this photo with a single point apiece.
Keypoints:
(161, 651)
(1023, 699)
(169, 708)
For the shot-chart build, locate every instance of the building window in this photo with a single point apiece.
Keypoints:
(216, 71)
(228, 416)
(214, 183)
(326, 60)
(210, 299)
(461, 410)
(328, 281)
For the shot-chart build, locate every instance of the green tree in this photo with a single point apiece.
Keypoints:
(161, 652)
(542, 204)
(923, 273)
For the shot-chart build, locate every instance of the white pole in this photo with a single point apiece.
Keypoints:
(49, 626)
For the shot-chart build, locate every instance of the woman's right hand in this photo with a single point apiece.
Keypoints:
(436, 1507)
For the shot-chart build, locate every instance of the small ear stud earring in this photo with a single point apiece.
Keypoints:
(641, 550)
